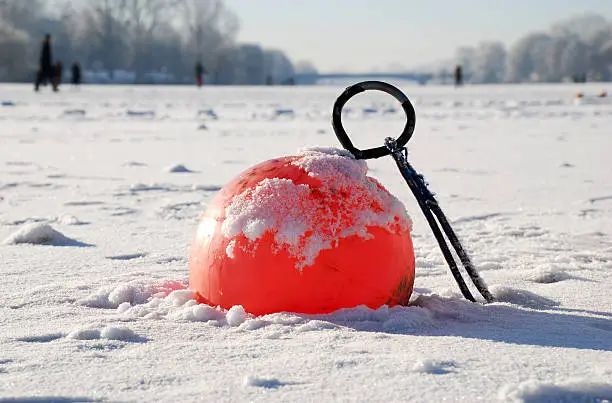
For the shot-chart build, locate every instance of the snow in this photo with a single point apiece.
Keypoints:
(39, 234)
(107, 333)
(522, 172)
(177, 168)
(577, 391)
(231, 247)
(67, 219)
(267, 383)
(134, 292)
(428, 366)
(306, 225)
(236, 316)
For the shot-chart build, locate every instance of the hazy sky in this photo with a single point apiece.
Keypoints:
(360, 35)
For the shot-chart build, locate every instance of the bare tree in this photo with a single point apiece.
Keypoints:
(137, 35)
(600, 43)
(66, 34)
(573, 48)
(23, 15)
(489, 63)
(143, 21)
(19, 29)
(105, 32)
(168, 50)
(13, 53)
(210, 28)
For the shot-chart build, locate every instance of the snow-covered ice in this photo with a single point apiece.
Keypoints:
(95, 229)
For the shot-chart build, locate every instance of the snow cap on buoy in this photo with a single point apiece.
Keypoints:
(309, 233)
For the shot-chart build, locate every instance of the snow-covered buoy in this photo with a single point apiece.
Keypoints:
(310, 233)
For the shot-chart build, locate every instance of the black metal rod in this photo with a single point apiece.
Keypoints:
(462, 253)
(422, 201)
(433, 205)
(426, 200)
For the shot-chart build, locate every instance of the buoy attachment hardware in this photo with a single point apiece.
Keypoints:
(427, 202)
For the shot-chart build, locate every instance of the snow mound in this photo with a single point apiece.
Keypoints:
(68, 219)
(315, 326)
(208, 113)
(290, 113)
(119, 333)
(178, 305)
(574, 391)
(523, 298)
(178, 168)
(267, 383)
(205, 313)
(304, 224)
(75, 112)
(489, 266)
(41, 338)
(429, 366)
(236, 316)
(145, 114)
(106, 333)
(134, 164)
(127, 256)
(134, 292)
(170, 300)
(205, 188)
(549, 276)
(40, 234)
(142, 187)
(253, 324)
(84, 334)
(157, 300)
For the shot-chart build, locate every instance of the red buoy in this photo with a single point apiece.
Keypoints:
(311, 233)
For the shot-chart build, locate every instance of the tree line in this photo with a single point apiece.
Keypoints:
(139, 36)
(576, 49)
(170, 36)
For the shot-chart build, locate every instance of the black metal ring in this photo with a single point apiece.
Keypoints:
(358, 88)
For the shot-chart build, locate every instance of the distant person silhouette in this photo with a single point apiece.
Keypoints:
(76, 73)
(199, 72)
(458, 76)
(45, 69)
(58, 72)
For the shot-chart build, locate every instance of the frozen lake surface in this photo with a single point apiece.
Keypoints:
(111, 181)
